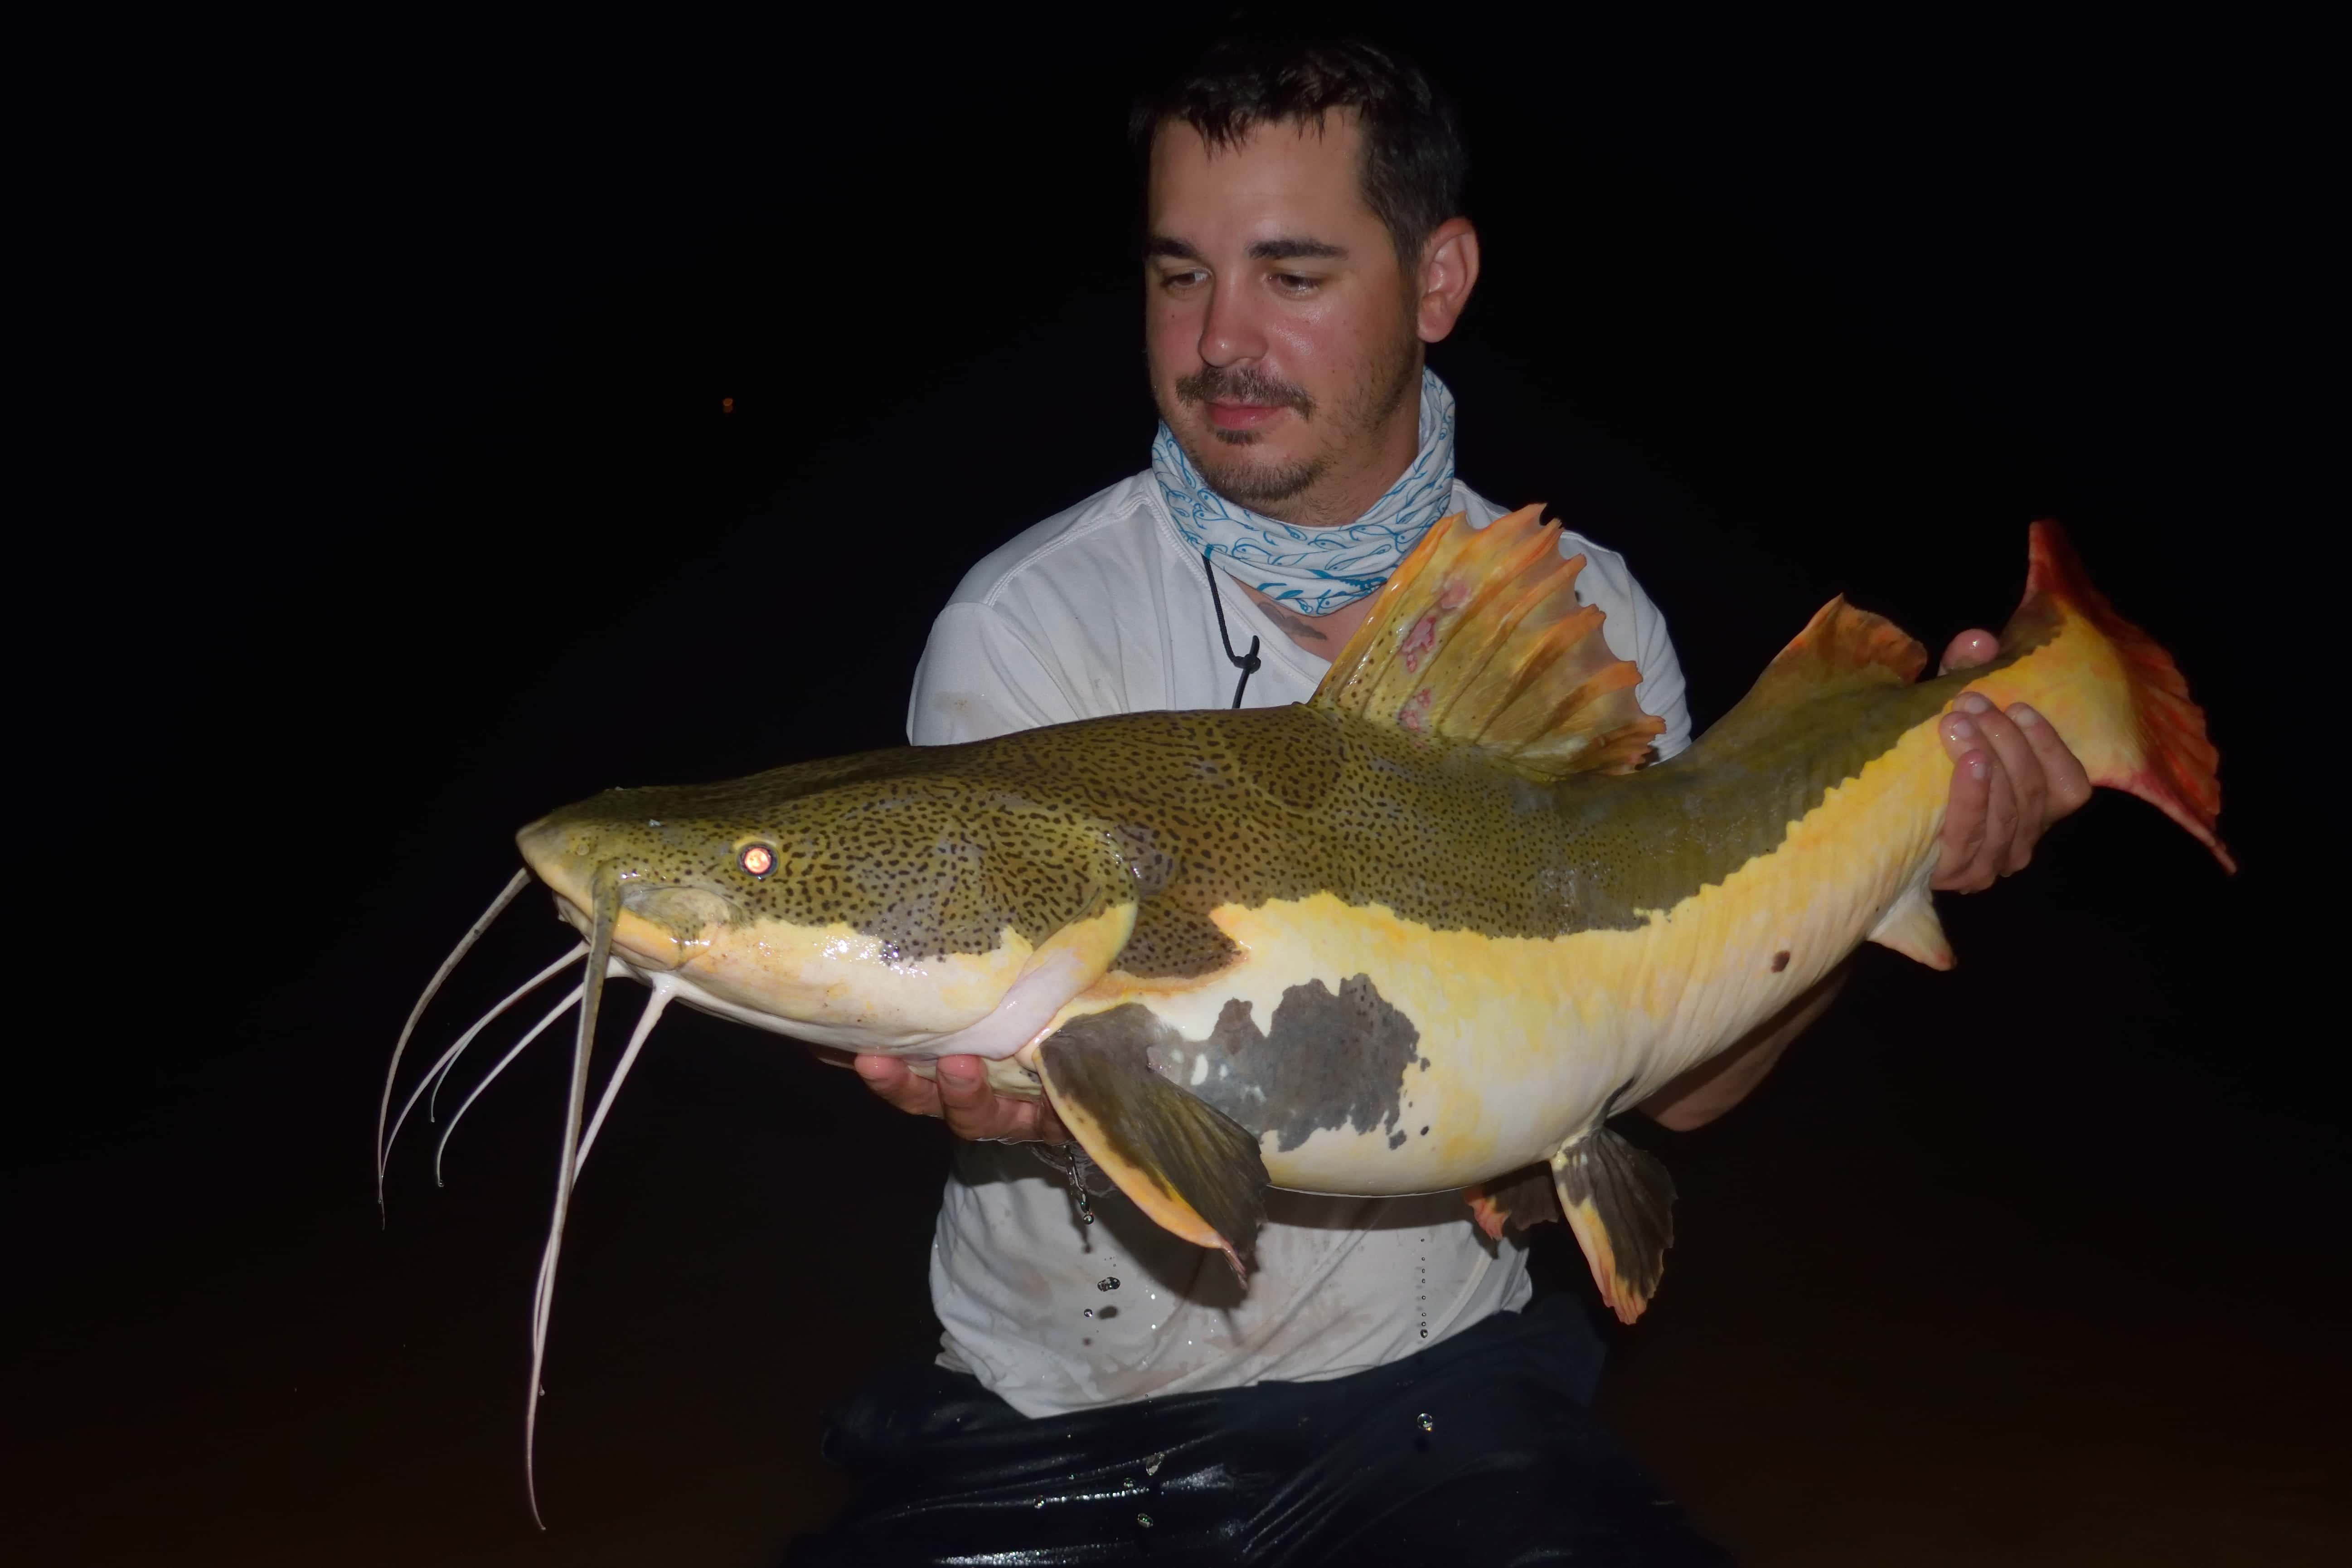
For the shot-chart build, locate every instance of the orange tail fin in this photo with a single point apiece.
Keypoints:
(2146, 737)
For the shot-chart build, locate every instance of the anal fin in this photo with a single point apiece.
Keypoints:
(1911, 928)
(1620, 1202)
(1191, 1168)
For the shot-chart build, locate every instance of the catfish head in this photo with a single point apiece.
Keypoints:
(887, 902)
(911, 902)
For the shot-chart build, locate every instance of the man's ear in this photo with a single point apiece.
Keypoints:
(1449, 270)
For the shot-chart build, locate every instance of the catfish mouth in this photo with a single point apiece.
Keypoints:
(659, 925)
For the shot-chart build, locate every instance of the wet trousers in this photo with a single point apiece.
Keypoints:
(1482, 1450)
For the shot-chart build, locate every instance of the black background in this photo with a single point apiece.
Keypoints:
(383, 499)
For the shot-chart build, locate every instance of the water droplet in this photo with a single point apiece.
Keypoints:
(1151, 1466)
(1424, 1333)
(1144, 1519)
(1037, 1502)
(1130, 1484)
(1109, 1283)
(1424, 1423)
(1090, 1311)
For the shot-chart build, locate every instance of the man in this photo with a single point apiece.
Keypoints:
(1376, 1390)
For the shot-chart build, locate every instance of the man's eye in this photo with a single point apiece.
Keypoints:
(1292, 283)
(1183, 279)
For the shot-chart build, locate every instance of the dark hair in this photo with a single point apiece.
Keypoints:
(1414, 163)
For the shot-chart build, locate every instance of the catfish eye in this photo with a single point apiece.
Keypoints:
(758, 859)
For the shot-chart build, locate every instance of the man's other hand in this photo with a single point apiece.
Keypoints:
(960, 1097)
(2012, 776)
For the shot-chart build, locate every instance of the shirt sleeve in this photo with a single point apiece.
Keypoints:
(979, 678)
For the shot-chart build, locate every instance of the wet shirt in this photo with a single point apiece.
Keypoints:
(1104, 609)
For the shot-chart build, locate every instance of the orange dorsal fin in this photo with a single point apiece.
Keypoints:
(1478, 637)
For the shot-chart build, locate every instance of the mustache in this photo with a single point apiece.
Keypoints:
(1243, 384)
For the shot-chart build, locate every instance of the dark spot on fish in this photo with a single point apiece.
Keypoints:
(1425, 1132)
(1779, 960)
(1329, 1060)
(1396, 1140)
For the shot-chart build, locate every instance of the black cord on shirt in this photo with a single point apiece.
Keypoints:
(1247, 663)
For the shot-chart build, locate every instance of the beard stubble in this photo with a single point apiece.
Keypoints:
(1356, 422)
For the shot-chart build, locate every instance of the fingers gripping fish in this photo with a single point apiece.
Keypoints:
(1426, 932)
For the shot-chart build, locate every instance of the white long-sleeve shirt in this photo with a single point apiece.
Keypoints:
(1104, 609)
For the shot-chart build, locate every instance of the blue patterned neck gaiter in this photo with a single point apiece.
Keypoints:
(1315, 571)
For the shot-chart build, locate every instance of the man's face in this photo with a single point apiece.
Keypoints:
(1277, 321)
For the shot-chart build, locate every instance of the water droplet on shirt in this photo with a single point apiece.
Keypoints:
(1036, 1502)
(1424, 1423)
(1151, 1466)
(1109, 1282)
(1090, 1311)
(1424, 1333)
(1144, 1519)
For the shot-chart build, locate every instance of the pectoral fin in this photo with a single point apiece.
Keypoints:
(1911, 928)
(1620, 1202)
(1187, 1165)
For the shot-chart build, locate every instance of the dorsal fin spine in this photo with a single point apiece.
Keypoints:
(1478, 638)
(1531, 598)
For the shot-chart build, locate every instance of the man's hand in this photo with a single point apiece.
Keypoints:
(960, 1097)
(2013, 778)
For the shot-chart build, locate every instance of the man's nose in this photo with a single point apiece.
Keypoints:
(1229, 332)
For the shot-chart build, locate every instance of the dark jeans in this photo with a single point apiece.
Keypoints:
(1480, 1451)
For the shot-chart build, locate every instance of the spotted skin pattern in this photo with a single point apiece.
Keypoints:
(937, 850)
(1262, 850)
(1542, 944)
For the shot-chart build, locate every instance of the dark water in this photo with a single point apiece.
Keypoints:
(395, 503)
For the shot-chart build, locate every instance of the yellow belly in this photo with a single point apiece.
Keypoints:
(1523, 1041)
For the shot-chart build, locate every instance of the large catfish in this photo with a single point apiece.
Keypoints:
(1424, 932)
